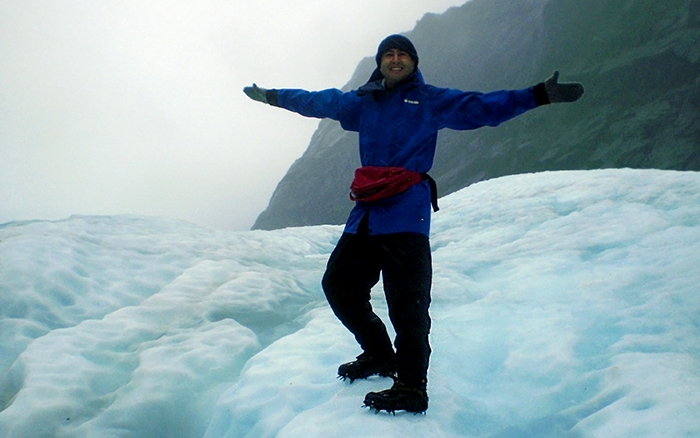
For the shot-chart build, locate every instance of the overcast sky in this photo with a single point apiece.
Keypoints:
(135, 107)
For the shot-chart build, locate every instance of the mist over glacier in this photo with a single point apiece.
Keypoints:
(565, 304)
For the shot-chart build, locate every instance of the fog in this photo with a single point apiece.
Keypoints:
(117, 107)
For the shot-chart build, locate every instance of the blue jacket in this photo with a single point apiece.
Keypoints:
(399, 128)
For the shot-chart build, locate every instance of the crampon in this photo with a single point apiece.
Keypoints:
(398, 398)
(365, 366)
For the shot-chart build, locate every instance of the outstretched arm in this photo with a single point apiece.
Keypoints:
(470, 110)
(331, 103)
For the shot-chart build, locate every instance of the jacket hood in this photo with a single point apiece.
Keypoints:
(397, 42)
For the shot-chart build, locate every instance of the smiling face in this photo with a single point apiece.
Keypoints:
(396, 65)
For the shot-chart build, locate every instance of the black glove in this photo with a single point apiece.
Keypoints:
(557, 93)
(256, 93)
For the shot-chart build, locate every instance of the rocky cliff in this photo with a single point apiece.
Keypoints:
(639, 61)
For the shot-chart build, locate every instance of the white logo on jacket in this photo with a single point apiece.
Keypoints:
(412, 102)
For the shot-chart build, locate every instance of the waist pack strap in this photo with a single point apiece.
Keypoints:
(433, 190)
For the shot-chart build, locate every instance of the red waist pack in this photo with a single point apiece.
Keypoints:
(373, 183)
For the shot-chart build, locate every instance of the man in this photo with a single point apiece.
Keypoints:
(398, 117)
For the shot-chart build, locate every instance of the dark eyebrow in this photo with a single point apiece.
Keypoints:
(398, 51)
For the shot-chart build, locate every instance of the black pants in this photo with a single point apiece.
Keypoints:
(405, 263)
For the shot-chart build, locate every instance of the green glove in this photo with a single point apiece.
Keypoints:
(256, 93)
(558, 93)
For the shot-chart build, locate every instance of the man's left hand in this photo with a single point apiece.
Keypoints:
(558, 93)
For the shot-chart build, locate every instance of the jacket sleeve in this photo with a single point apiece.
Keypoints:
(331, 103)
(462, 110)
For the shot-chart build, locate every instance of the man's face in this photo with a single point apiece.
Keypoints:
(396, 65)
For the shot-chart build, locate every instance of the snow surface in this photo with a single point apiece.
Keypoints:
(565, 304)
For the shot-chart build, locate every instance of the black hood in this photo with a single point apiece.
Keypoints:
(396, 42)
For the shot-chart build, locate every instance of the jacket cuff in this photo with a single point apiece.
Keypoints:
(272, 97)
(540, 92)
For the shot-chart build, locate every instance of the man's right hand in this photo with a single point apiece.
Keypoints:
(256, 93)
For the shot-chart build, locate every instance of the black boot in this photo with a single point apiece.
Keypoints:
(365, 366)
(399, 398)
